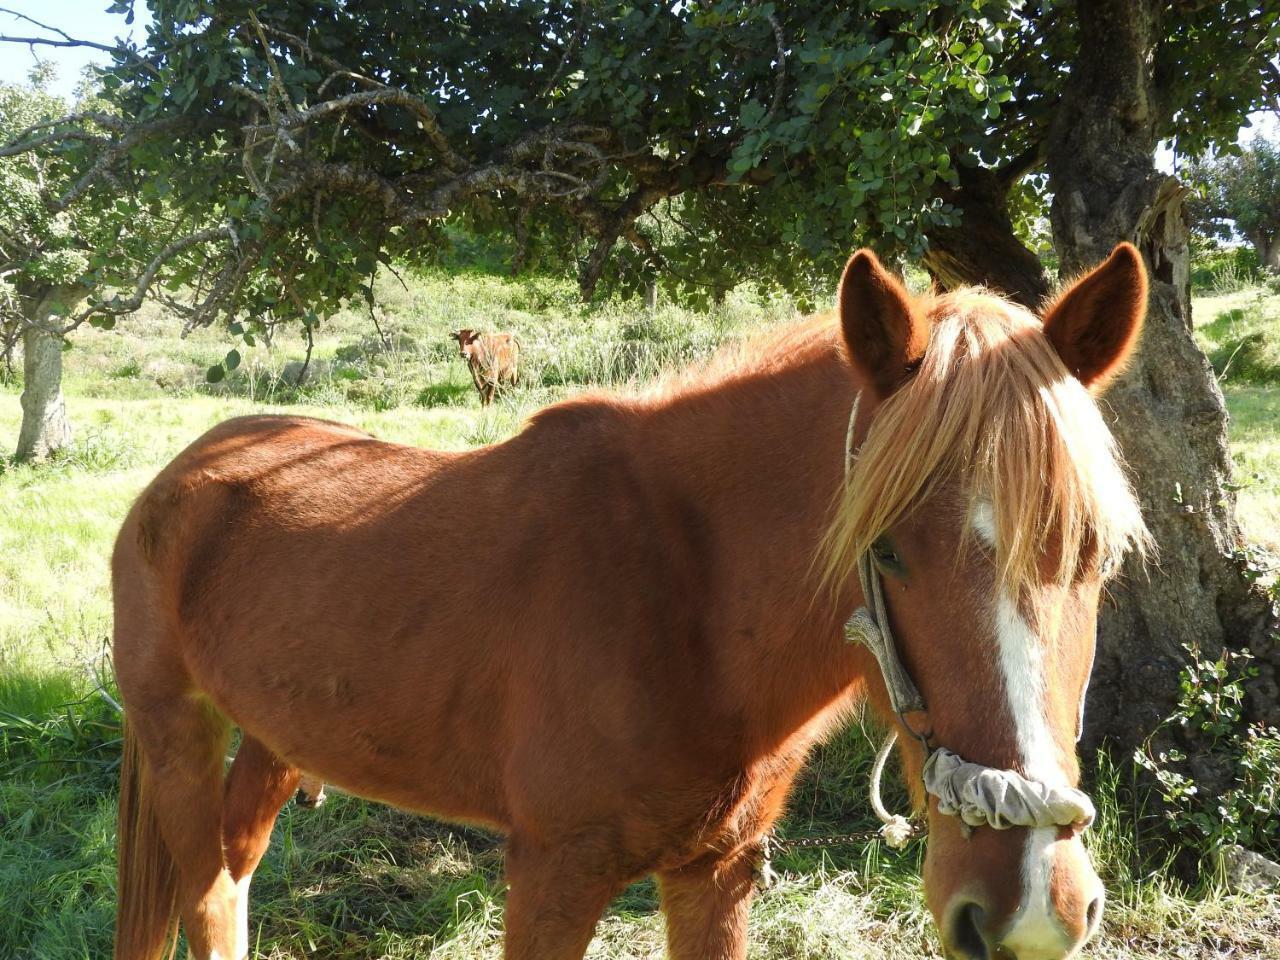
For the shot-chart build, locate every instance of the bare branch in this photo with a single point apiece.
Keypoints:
(780, 74)
(116, 124)
(350, 75)
(58, 136)
(252, 94)
(67, 39)
(389, 96)
(295, 41)
(45, 42)
(576, 38)
(276, 90)
(113, 150)
(1023, 163)
(103, 166)
(117, 306)
(609, 227)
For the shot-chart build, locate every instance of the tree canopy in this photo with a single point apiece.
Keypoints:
(299, 145)
(58, 233)
(1241, 194)
(333, 135)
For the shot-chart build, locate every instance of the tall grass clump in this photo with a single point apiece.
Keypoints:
(1219, 270)
(1243, 342)
(59, 754)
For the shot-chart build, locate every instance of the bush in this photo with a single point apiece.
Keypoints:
(1213, 702)
(1224, 269)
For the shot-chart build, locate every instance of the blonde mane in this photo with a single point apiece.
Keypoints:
(993, 406)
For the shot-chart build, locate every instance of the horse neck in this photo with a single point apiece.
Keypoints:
(762, 455)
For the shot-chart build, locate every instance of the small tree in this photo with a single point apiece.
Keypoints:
(59, 243)
(1241, 195)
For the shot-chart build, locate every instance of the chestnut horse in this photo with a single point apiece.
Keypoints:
(622, 657)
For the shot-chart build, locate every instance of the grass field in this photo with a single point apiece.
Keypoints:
(354, 880)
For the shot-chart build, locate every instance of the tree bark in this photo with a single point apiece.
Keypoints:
(651, 296)
(983, 248)
(45, 428)
(1269, 253)
(1167, 412)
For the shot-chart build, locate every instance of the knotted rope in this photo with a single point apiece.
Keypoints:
(979, 795)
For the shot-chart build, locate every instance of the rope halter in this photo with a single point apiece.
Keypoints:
(979, 795)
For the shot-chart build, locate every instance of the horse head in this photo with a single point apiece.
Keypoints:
(987, 493)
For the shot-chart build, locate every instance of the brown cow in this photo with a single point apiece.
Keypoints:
(492, 359)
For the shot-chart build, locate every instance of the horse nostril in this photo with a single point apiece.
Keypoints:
(966, 933)
(1092, 915)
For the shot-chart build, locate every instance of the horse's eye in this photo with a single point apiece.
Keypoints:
(886, 556)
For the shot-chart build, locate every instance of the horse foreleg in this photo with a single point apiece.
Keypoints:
(555, 896)
(706, 906)
(257, 787)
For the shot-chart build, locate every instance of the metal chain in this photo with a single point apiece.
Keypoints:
(782, 845)
(765, 877)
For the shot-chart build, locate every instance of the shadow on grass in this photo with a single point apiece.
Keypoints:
(357, 881)
(446, 393)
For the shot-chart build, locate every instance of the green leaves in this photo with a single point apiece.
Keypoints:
(775, 135)
(1240, 193)
(752, 115)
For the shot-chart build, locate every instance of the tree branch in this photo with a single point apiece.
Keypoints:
(45, 42)
(388, 96)
(117, 306)
(66, 41)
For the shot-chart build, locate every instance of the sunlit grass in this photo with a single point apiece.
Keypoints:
(1240, 332)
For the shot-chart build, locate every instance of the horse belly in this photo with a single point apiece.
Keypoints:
(416, 731)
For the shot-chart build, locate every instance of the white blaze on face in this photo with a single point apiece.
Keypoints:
(1036, 931)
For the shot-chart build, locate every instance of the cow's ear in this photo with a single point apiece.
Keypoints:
(1094, 325)
(883, 332)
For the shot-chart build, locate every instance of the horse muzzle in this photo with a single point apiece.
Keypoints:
(1048, 912)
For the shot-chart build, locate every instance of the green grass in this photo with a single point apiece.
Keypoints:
(355, 880)
(1240, 333)
(1217, 270)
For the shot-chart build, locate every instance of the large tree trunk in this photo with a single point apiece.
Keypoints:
(1167, 411)
(45, 428)
(1268, 249)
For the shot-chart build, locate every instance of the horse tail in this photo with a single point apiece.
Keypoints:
(147, 888)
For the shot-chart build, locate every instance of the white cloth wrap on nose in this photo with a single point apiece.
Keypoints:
(981, 795)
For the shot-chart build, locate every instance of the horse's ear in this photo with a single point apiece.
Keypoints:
(1095, 324)
(883, 333)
